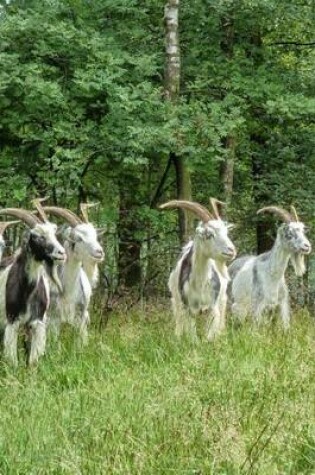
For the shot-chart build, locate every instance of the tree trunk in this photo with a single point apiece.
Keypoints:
(227, 170)
(264, 226)
(172, 67)
(129, 266)
(227, 166)
(183, 185)
(171, 92)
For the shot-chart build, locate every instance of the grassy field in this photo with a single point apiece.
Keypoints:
(136, 401)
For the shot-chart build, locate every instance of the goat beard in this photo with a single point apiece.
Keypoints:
(223, 270)
(52, 271)
(298, 263)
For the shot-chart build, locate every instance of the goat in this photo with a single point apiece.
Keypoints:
(24, 287)
(199, 281)
(78, 274)
(90, 259)
(258, 282)
(3, 227)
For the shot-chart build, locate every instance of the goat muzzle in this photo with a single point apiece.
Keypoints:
(98, 255)
(59, 256)
(230, 253)
(306, 249)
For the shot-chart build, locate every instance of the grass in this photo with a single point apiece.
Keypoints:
(136, 401)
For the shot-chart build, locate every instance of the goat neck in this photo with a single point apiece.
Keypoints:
(200, 263)
(279, 258)
(70, 270)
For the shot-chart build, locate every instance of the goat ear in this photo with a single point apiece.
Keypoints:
(68, 234)
(101, 231)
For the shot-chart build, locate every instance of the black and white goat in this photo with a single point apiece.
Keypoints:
(24, 286)
(199, 281)
(79, 273)
(258, 282)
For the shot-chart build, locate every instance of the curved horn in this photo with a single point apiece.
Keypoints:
(23, 215)
(294, 214)
(37, 203)
(64, 213)
(214, 204)
(282, 213)
(5, 224)
(84, 207)
(192, 206)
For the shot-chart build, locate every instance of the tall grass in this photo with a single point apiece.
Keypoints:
(136, 401)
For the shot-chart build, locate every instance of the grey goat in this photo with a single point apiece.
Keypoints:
(258, 282)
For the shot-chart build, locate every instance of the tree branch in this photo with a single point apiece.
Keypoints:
(159, 189)
(291, 43)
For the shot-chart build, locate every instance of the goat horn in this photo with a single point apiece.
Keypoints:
(192, 206)
(294, 214)
(23, 215)
(64, 213)
(5, 224)
(282, 213)
(37, 203)
(214, 204)
(84, 207)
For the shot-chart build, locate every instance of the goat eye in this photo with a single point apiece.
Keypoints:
(289, 234)
(209, 234)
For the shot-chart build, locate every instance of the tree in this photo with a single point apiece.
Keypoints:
(172, 94)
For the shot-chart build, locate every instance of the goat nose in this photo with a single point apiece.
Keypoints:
(232, 251)
(99, 254)
(63, 255)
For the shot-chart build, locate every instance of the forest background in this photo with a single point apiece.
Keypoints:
(130, 103)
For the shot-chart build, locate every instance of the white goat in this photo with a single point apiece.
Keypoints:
(258, 282)
(83, 251)
(24, 287)
(199, 281)
(89, 261)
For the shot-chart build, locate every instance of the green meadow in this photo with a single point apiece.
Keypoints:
(138, 401)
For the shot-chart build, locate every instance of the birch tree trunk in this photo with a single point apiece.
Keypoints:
(171, 91)
(172, 66)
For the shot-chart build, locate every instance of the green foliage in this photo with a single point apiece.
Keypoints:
(83, 114)
(76, 92)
